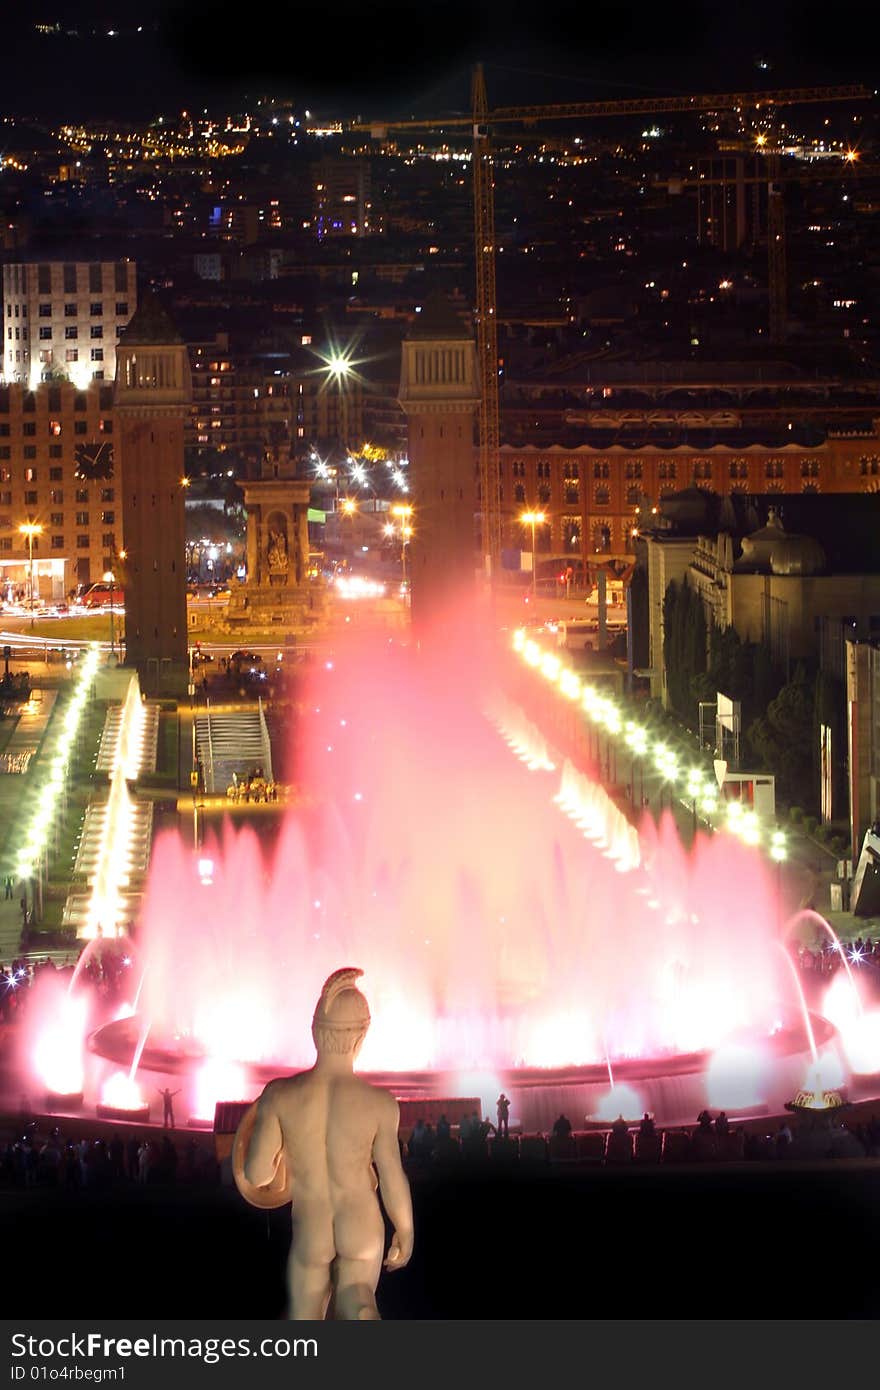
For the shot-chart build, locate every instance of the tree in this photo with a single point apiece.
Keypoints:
(783, 738)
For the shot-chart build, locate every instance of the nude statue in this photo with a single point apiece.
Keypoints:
(320, 1139)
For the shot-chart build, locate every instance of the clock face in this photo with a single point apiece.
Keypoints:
(94, 460)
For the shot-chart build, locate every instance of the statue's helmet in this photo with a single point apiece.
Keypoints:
(342, 1015)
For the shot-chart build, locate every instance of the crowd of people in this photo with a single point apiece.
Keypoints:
(99, 1164)
(255, 787)
(105, 973)
(825, 959)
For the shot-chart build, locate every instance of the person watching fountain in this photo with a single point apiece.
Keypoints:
(503, 1108)
(319, 1139)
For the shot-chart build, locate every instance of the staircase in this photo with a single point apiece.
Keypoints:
(232, 742)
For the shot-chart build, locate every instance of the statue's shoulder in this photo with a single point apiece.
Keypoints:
(282, 1086)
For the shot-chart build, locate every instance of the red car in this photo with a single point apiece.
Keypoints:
(103, 596)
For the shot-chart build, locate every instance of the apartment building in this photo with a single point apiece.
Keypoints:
(41, 434)
(63, 319)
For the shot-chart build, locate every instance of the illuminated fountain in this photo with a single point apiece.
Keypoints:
(502, 949)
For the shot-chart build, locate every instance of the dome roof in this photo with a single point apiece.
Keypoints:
(797, 555)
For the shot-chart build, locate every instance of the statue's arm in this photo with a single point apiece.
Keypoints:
(394, 1186)
(266, 1142)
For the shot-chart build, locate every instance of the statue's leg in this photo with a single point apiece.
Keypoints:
(308, 1286)
(355, 1289)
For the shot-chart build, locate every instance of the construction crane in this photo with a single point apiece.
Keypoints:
(481, 122)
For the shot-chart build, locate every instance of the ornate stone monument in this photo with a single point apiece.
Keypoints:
(277, 591)
(324, 1139)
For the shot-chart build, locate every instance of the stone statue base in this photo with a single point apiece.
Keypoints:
(286, 606)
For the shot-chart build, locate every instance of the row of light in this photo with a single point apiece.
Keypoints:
(37, 835)
(603, 711)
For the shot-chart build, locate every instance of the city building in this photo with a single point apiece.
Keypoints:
(63, 319)
(240, 398)
(599, 448)
(341, 198)
(152, 401)
(47, 436)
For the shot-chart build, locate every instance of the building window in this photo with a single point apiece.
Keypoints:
(55, 427)
(810, 468)
(6, 499)
(95, 277)
(572, 494)
(601, 470)
(5, 451)
(96, 310)
(739, 469)
(109, 540)
(70, 311)
(121, 310)
(45, 334)
(518, 469)
(71, 333)
(44, 279)
(71, 354)
(602, 496)
(69, 274)
(30, 451)
(29, 428)
(56, 495)
(666, 471)
(82, 494)
(80, 401)
(44, 311)
(108, 518)
(633, 495)
(97, 354)
(869, 467)
(543, 492)
(96, 331)
(5, 542)
(56, 519)
(55, 452)
(107, 494)
(543, 470)
(519, 492)
(571, 532)
(82, 518)
(30, 499)
(82, 542)
(633, 469)
(601, 536)
(80, 427)
(775, 468)
(120, 276)
(702, 471)
(57, 542)
(30, 475)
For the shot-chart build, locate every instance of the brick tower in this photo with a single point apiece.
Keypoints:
(153, 390)
(439, 393)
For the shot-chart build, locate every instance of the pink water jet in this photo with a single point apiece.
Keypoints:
(494, 938)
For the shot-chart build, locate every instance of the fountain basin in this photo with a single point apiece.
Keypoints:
(672, 1086)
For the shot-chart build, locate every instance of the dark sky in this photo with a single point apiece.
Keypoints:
(396, 55)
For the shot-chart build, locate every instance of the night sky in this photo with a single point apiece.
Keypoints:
(394, 56)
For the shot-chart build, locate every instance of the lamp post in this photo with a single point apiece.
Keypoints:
(779, 854)
(534, 519)
(695, 791)
(31, 529)
(110, 578)
(403, 511)
(339, 369)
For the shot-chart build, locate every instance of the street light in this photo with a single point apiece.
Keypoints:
(31, 529)
(534, 519)
(338, 367)
(403, 511)
(110, 578)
